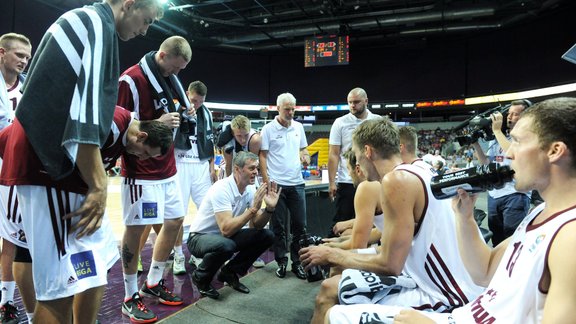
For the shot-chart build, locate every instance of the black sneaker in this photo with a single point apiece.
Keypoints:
(160, 291)
(137, 311)
(8, 314)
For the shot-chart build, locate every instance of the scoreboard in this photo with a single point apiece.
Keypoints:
(326, 50)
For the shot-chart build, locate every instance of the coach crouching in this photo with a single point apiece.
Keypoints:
(230, 220)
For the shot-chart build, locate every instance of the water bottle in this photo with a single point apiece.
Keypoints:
(475, 179)
(314, 273)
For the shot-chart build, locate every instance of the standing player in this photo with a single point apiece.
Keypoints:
(194, 160)
(15, 53)
(63, 202)
(149, 191)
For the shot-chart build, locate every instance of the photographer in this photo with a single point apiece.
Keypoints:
(506, 207)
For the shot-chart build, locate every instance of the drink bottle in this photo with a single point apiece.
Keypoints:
(474, 179)
(315, 273)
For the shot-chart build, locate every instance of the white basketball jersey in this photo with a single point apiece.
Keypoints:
(434, 261)
(514, 294)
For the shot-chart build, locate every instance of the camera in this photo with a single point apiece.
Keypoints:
(315, 273)
(479, 126)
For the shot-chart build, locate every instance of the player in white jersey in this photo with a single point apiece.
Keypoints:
(15, 53)
(531, 279)
(414, 240)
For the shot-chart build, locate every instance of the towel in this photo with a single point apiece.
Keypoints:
(363, 287)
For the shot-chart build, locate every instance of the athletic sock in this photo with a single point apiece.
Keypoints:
(130, 285)
(155, 273)
(178, 250)
(7, 292)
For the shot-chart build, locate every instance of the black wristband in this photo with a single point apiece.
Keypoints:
(269, 211)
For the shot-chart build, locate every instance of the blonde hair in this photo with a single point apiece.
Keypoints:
(240, 122)
(6, 40)
(155, 4)
(177, 46)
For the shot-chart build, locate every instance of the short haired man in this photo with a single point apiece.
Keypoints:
(194, 160)
(236, 137)
(15, 53)
(230, 224)
(417, 240)
(340, 141)
(506, 206)
(282, 154)
(529, 277)
(149, 191)
(72, 246)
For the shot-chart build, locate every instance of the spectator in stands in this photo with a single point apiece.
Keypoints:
(230, 220)
(417, 227)
(340, 141)
(506, 206)
(282, 155)
(529, 276)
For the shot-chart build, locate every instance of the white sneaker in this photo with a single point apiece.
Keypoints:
(179, 265)
(259, 263)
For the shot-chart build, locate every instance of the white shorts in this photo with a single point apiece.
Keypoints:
(148, 204)
(11, 218)
(367, 313)
(194, 181)
(63, 265)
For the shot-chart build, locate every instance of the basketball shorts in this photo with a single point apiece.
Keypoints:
(63, 265)
(194, 181)
(147, 204)
(10, 217)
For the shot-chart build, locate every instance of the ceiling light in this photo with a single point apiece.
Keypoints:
(265, 20)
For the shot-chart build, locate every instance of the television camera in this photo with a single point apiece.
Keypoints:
(479, 126)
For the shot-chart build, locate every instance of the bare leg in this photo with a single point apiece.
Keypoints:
(25, 281)
(166, 238)
(6, 259)
(131, 248)
(327, 297)
(144, 237)
(54, 311)
(179, 237)
(87, 304)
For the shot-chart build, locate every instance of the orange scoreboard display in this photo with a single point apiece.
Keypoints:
(326, 50)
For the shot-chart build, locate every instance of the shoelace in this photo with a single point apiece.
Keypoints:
(141, 306)
(166, 290)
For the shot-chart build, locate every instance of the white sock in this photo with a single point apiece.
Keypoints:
(130, 285)
(7, 292)
(155, 273)
(178, 251)
(30, 317)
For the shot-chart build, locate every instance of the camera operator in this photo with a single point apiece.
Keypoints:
(506, 207)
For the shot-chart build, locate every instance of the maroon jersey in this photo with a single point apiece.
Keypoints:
(135, 95)
(23, 167)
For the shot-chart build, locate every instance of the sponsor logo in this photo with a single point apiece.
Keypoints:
(83, 263)
(71, 280)
(149, 210)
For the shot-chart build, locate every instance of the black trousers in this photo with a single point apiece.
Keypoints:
(215, 250)
(344, 205)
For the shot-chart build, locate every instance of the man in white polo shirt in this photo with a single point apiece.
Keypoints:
(282, 154)
(230, 226)
(341, 141)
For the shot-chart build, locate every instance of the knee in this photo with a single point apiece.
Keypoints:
(328, 291)
(267, 236)
(173, 224)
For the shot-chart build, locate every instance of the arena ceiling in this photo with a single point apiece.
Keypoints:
(276, 25)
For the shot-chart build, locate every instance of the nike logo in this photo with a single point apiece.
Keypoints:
(129, 309)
